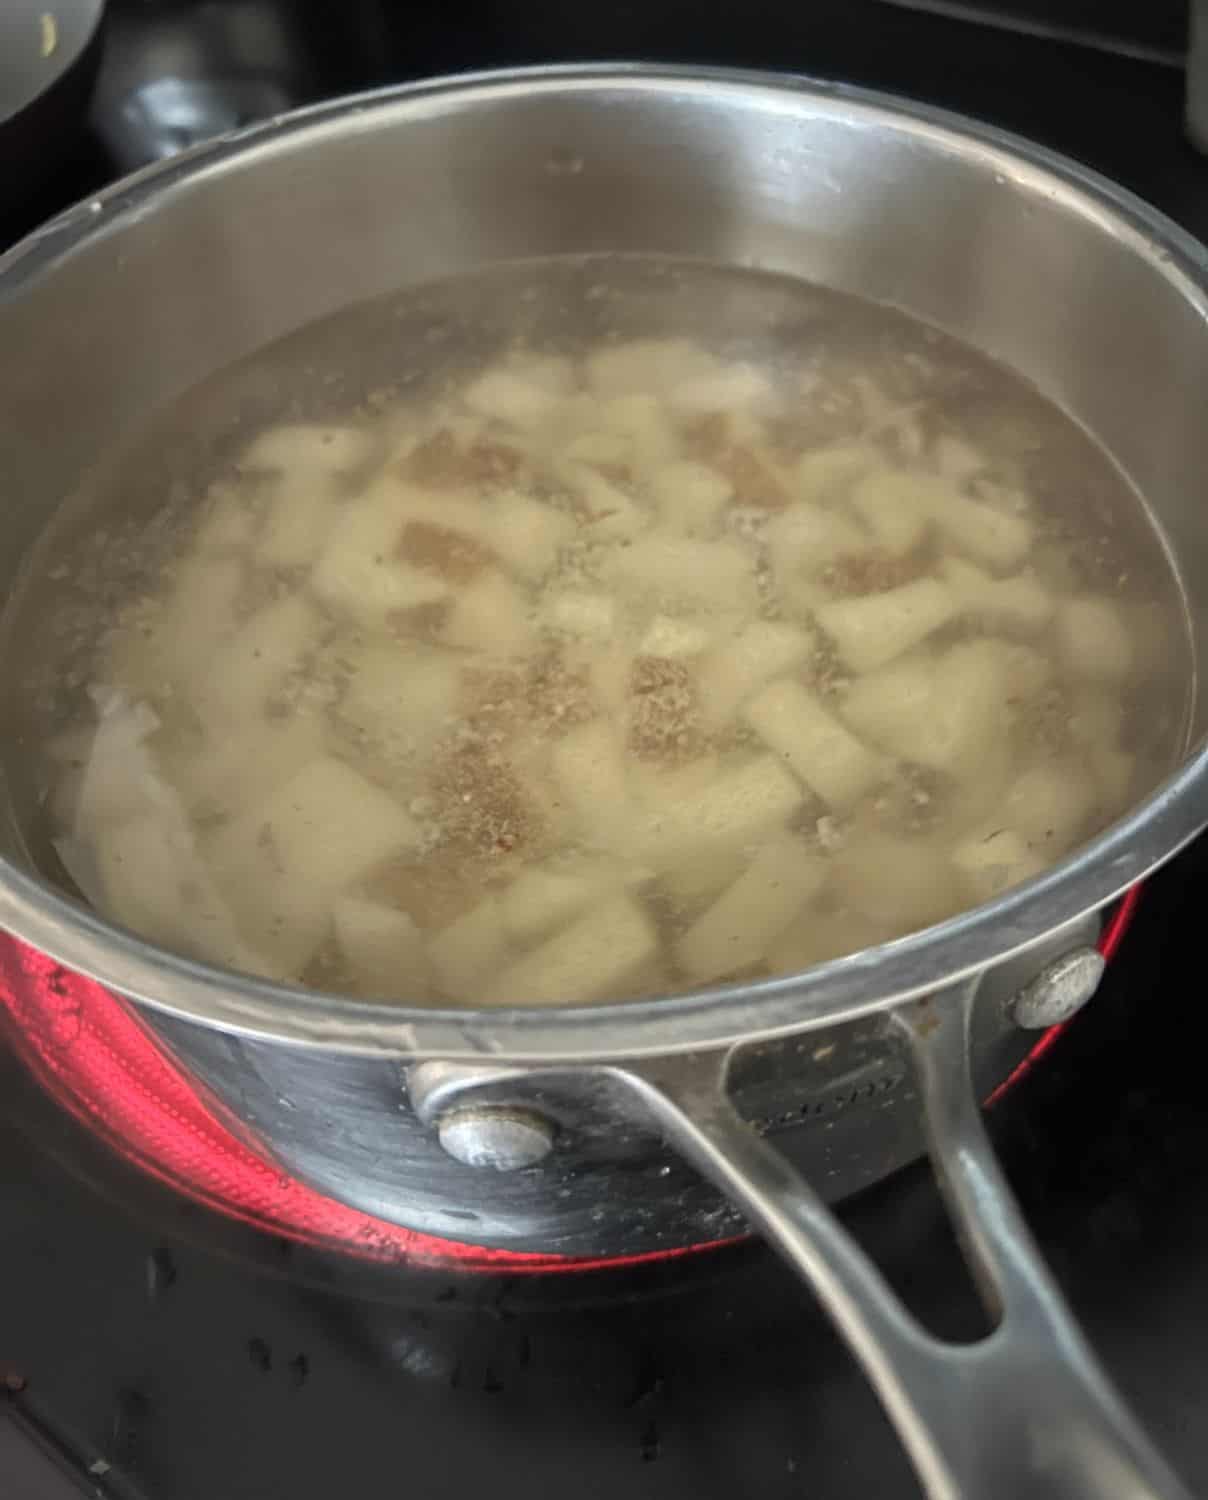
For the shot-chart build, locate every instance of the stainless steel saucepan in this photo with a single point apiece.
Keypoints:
(130, 300)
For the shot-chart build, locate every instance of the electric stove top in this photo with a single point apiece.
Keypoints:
(152, 1348)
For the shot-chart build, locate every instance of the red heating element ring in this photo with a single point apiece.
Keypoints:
(90, 1051)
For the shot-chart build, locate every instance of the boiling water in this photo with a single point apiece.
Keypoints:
(589, 630)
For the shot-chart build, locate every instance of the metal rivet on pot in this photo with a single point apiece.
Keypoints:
(1061, 988)
(496, 1136)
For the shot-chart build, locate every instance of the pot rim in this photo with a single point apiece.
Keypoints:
(870, 980)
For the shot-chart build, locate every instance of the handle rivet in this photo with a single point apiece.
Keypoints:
(496, 1136)
(1058, 991)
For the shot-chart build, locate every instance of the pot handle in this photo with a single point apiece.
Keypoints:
(1025, 1412)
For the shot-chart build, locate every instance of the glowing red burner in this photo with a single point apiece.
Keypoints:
(90, 1051)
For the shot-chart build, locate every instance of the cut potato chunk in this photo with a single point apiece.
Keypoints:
(608, 512)
(1093, 639)
(731, 388)
(991, 862)
(941, 712)
(300, 516)
(401, 694)
(737, 807)
(825, 475)
(245, 673)
(152, 881)
(871, 630)
(682, 571)
(327, 826)
(548, 895)
(894, 506)
(119, 778)
(581, 612)
(306, 450)
(642, 421)
(382, 947)
(738, 928)
(466, 954)
(673, 638)
(729, 675)
(648, 366)
(360, 575)
(512, 396)
(1020, 602)
(689, 495)
(803, 541)
(491, 615)
(229, 772)
(528, 535)
(826, 756)
(998, 538)
(1050, 804)
(593, 959)
(163, 645)
(589, 767)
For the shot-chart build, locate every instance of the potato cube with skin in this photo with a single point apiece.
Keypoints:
(741, 924)
(730, 674)
(822, 752)
(595, 958)
(1093, 640)
(871, 630)
(245, 673)
(491, 615)
(470, 951)
(996, 537)
(305, 450)
(739, 805)
(682, 571)
(895, 507)
(689, 495)
(1050, 804)
(401, 694)
(301, 514)
(825, 475)
(992, 861)
(528, 535)
(382, 948)
(1019, 601)
(589, 768)
(359, 573)
(581, 612)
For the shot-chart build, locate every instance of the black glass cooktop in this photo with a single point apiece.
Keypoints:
(153, 1350)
